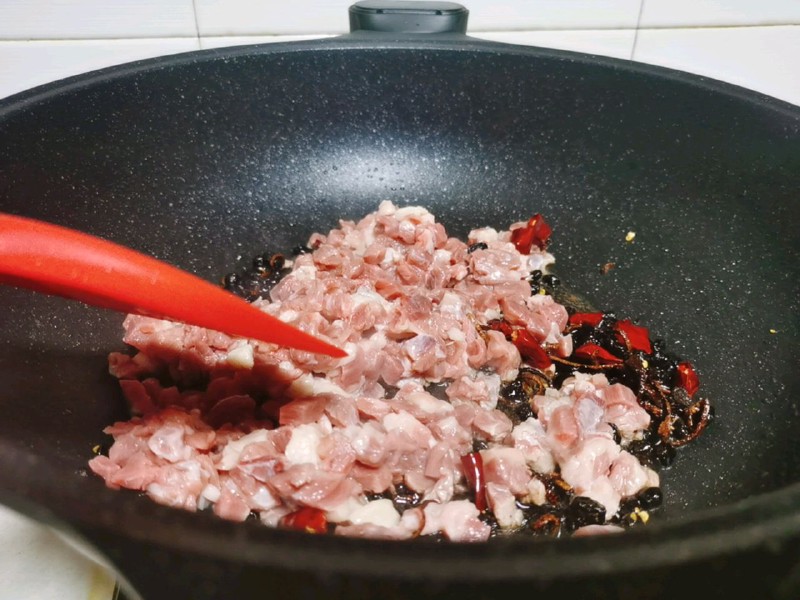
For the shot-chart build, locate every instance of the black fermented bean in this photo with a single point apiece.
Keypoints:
(478, 246)
(584, 511)
(651, 498)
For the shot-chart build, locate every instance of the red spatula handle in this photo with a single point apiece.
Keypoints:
(56, 260)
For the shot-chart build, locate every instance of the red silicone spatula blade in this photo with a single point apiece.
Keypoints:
(56, 260)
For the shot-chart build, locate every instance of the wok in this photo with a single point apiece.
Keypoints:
(202, 157)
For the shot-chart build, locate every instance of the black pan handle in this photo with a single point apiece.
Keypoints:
(398, 16)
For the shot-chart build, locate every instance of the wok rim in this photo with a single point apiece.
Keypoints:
(369, 41)
(763, 521)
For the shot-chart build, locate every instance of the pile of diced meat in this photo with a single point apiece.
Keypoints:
(247, 427)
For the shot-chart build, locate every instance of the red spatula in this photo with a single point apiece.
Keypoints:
(56, 260)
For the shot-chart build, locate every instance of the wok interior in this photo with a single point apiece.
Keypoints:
(202, 160)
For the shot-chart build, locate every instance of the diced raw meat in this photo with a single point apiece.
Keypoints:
(458, 520)
(245, 426)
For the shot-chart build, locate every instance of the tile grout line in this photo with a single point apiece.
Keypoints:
(97, 39)
(196, 35)
(197, 22)
(606, 28)
(638, 26)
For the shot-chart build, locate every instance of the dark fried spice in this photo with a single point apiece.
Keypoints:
(302, 249)
(651, 498)
(401, 495)
(265, 271)
(543, 284)
(557, 491)
(606, 268)
(515, 397)
(548, 524)
(478, 246)
(652, 451)
(404, 497)
(665, 386)
(584, 511)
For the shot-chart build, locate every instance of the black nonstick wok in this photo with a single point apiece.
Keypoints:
(200, 158)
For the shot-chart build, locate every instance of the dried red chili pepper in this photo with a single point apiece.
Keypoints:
(502, 326)
(634, 336)
(596, 354)
(687, 378)
(522, 239)
(311, 520)
(536, 232)
(593, 319)
(530, 350)
(548, 524)
(472, 464)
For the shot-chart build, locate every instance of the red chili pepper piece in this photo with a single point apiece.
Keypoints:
(638, 337)
(311, 520)
(687, 378)
(522, 239)
(592, 319)
(472, 464)
(502, 326)
(596, 354)
(530, 350)
(536, 232)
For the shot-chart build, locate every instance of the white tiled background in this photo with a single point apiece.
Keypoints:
(754, 43)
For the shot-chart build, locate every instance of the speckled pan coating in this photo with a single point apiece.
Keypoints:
(203, 157)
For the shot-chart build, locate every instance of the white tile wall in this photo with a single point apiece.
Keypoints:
(693, 13)
(259, 17)
(27, 64)
(520, 15)
(243, 40)
(761, 58)
(252, 17)
(70, 19)
(605, 42)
